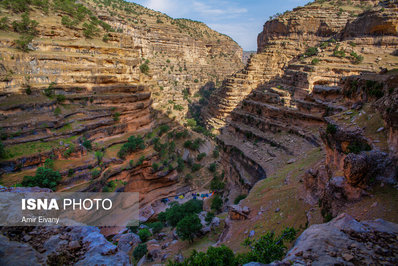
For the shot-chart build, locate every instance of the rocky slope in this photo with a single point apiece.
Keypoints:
(272, 110)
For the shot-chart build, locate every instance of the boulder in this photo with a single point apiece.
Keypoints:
(345, 241)
(237, 212)
(127, 241)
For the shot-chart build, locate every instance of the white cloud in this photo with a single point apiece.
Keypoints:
(169, 7)
(208, 10)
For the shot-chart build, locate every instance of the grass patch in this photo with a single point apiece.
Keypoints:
(30, 148)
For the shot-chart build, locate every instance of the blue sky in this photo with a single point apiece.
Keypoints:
(243, 20)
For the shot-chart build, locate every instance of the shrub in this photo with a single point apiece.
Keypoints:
(201, 156)
(324, 45)
(140, 251)
(45, 178)
(315, 61)
(23, 42)
(177, 212)
(188, 227)
(116, 116)
(331, 129)
(216, 153)
(95, 173)
(196, 144)
(221, 255)
(69, 151)
(268, 248)
(338, 53)
(156, 227)
(209, 217)
(155, 167)
(311, 51)
(87, 144)
(163, 129)
(105, 38)
(71, 172)
(141, 160)
(57, 111)
(133, 144)
(99, 155)
(239, 198)
(69, 23)
(26, 25)
(213, 167)
(61, 98)
(89, 30)
(356, 59)
(196, 167)
(4, 23)
(188, 177)
(49, 163)
(188, 144)
(357, 146)
(144, 68)
(17, 6)
(49, 91)
(178, 107)
(144, 234)
(216, 183)
(191, 122)
(216, 203)
(374, 89)
(180, 165)
(28, 90)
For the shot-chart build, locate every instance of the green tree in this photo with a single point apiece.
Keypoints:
(26, 25)
(90, 30)
(201, 156)
(268, 248)
(144, 68)
(144, 234)
(87, 144)
(133, 144)
(49, 163)
(155, 167)
(156, 227)
(45, 178)
(99, 155)
(4, 23)
(177, 212)
(23, 42)
(140, 251)
(216, 203)
(215, 256)
(188, 227)
(213, 167)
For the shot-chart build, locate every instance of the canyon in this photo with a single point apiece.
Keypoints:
(306, 132)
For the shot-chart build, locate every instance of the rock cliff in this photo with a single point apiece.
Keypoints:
(272, 109)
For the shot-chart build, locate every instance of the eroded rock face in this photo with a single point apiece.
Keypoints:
(366, 167)
(346, 241)
(72, 245)
(381, 22)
